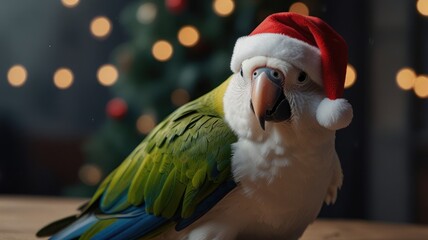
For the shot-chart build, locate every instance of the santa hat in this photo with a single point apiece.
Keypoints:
(311, 45)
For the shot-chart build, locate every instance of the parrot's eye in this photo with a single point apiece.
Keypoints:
(302, 77)
(275, 74)
(242, 74)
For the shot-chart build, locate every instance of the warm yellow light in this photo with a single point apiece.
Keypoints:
(145, 123)
(107, 75)
(100, 27)
(90, 174)
(188, 36)
(179, 97)
(405, 78)
(299, 8)
(223, 8)
(422, 6)
(70, 3)
(421, 86)
(17, 75)
(63, 78)
(162, 50)
(351, 76)
(146, 13)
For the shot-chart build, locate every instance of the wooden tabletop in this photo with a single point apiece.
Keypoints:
(21, 217)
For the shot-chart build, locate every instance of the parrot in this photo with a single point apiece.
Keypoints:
(254, 158)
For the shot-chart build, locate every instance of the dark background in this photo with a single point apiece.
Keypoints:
(384, 152)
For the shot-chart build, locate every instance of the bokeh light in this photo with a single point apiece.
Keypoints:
(188, 36)
(107, 75)
(70, 3)
(17, 75)
(351, 76)
(405, 78)
(422, 7)
(100, 27)
(146, 13)
(90, 174)
(162, 50)
(179, 97)
(63, 78)
(300, 8)
(145, 123)
(223, 8)
(421, 86)
(117, 108)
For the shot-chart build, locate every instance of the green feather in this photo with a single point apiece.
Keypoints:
(199, 178)
(166, 204)
(97, 227)
(181, 162)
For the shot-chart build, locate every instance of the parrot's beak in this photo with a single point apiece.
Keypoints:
(268, 101)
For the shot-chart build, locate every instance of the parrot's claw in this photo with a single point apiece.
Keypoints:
(331, 196)
(335, 185)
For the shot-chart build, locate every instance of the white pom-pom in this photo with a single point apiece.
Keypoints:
(334, 114)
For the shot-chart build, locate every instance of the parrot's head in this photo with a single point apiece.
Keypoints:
(270, 94)
(289, 75)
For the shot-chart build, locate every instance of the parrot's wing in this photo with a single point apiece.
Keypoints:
(174, 176)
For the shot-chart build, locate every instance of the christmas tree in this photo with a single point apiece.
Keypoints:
(177, 51)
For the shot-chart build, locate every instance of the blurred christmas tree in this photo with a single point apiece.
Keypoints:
(178, 50)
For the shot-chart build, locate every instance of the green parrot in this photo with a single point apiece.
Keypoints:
(254, 158)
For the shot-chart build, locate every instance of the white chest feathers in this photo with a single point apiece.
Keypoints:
(258, 161)
(285, 186)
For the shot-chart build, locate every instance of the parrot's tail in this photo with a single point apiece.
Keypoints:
(56, 226)
(133, 223)
(68, 228)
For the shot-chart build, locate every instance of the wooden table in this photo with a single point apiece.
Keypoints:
(21, 217)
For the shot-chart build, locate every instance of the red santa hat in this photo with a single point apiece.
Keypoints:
(311, 45)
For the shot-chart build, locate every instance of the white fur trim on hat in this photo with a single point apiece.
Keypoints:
(291, 50)
(334, 114)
